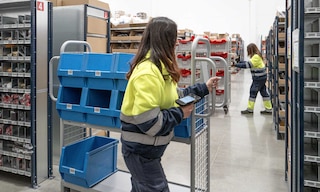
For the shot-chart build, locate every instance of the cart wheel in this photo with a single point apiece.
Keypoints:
(226, 109)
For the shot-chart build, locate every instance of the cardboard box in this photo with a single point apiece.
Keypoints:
(54, 2)
(97, 26)
(94, 3)
(114, 50)
(98, 44)
(281, 36)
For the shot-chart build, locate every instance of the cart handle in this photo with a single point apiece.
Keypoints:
(66, 43)
(193, 68)
(226, 79)
(53, 98)
(213, 93)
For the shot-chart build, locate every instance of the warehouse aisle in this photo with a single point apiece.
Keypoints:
(245, 154)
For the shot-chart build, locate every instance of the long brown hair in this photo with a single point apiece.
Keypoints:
(253, 49)
(159, 38)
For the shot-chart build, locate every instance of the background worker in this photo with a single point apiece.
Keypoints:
(259, 78)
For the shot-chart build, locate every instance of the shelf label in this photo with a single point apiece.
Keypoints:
(72, 171)
(97, 73)
(96, 109)
(70, 72)
(69, 106)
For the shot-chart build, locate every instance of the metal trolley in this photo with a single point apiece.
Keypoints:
(199, 140)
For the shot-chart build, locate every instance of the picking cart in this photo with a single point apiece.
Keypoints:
(194, 131)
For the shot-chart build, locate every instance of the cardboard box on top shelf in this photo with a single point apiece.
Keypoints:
(223, 35)
(59, 2)
(213, 36)
(96, 26)
(54, 2)
(98, 44)
(207, 33)
(94, 3)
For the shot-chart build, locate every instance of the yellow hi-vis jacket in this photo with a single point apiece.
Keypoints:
(149, 112)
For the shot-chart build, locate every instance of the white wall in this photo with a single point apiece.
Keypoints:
(227, 16)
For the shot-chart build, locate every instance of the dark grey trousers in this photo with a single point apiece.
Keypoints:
(147, 175)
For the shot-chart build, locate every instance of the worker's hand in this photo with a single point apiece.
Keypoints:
(212, 83)
(187, 110)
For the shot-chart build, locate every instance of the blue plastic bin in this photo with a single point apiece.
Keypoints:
(69, 104)
(121, 64)
(184, 129)
(99, 71)
(71, 69)
(99, 107)
(120, 68)
(89, 161)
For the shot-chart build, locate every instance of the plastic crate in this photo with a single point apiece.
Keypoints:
(89, 161)
(69, 104)
(121, 64)
(97, 107)
(120, 68)
(71, 70)
(99, 71)
(183, 130)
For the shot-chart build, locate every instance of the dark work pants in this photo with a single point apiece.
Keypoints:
(147, 175)
(259, 86)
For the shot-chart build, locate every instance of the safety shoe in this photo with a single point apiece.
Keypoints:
(266, 112)
(245, 112)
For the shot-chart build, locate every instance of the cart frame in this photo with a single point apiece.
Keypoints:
(200, 136)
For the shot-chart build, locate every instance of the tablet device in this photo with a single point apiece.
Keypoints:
(191, 98)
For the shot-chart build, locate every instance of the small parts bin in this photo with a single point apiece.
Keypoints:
(89, 161)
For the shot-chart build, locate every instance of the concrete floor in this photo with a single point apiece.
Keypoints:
(245, 154)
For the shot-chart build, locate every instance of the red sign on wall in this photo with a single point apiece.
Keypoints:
(40, 6)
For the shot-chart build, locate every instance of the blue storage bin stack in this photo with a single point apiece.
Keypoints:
(92, 87)
(89, 161)
(71, 75)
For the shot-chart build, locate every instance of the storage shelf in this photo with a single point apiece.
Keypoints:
(311, 106)
(312, 60)
(10, 58)
(312, 10)
(13, 138)
(310, 155)
(311, 130)
(128, 29)
(310, 177)
(15, 171)
(312, 35)
(17, 42)
(13, 154)
(311, 83)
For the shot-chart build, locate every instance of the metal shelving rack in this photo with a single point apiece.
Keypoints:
(199, 140)
(278, 76)
(269, 57)
(304, 79)
(25, 49)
